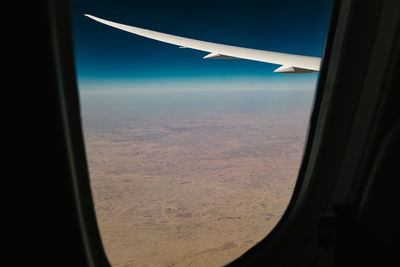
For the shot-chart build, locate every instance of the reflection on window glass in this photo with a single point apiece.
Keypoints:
(192, 161)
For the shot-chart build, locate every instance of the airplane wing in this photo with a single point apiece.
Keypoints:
(289, 63)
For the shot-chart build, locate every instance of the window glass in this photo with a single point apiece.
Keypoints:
(192, 161)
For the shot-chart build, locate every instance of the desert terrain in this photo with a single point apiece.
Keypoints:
(190, 189)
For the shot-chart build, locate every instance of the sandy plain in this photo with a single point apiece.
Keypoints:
(191, 190)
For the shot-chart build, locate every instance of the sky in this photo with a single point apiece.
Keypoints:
(108, 59)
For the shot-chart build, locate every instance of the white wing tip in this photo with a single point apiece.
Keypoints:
(91, 16)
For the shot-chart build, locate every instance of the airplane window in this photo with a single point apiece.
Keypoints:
(194, 144)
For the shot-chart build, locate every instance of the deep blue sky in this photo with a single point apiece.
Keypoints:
(105, 54)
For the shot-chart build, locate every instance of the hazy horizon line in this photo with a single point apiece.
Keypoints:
(103, 86)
